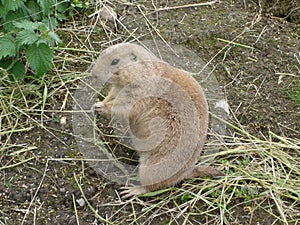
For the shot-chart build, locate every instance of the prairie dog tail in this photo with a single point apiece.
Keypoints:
(205, 171)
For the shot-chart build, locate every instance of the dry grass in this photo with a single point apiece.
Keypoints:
(262, 180)
(262, 172)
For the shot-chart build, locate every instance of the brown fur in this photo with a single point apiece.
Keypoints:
(166, 110)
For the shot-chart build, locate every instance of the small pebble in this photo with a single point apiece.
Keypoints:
(63, 120)
(80, 202)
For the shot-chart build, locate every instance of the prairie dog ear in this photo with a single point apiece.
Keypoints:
(133, 57)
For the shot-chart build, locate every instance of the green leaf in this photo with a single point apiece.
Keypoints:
(26, 37)
(154, 193)
(62, 6)
(39, 58)
(2, 11)
(7, 46)
(34, 10)
(46, 5)
(61, 16)
(61, 9)
(27, 25)
(12, 5)
(10, 18)
(51, 22)
(18, 70)
(4, 64)
(54, 36)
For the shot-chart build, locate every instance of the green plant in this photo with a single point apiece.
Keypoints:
(294, 88)
(81, 4)
(294, 93)
(28, 34)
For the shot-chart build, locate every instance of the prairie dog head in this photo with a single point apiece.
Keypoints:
(114, 62)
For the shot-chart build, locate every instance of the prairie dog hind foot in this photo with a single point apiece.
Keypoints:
(133, 191)
(199, 171)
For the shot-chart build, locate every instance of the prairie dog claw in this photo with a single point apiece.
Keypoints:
(97, 107)
(129, 192)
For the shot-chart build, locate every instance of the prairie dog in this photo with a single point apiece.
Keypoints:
(165, 109)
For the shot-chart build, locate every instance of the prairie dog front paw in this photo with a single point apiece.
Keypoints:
(97, 107)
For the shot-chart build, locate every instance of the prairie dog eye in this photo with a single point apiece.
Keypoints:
(115, 61)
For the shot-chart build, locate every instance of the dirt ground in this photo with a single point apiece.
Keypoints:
(252, 50)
